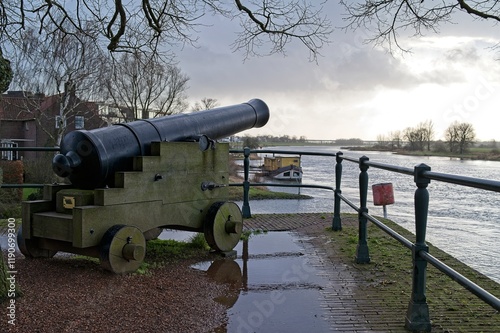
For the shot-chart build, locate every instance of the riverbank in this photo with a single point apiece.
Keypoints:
(474, 153)
(486, 154)
(259, 192)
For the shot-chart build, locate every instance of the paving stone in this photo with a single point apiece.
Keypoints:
(347, 312)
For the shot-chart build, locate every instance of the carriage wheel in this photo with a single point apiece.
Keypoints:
(223, 226)
(29, 249)
(122, 249)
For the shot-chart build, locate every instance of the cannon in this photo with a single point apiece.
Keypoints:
(129, 181)
(90, 159)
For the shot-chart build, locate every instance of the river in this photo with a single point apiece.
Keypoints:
(462, 221)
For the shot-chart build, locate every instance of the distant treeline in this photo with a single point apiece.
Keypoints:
(260, 140)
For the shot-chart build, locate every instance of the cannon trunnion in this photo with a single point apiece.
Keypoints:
(177, 186)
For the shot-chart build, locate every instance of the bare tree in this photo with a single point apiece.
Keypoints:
(5, 73)
(146, 24)
(428, 132)
(5, 78)
(420, 137)
(382, 140)
(451, 137)
(415, 136)
(61, 67)
(460, 136)
(387, 19)
(396, 139)
(145, 85)
(205, 104)
(277, 23)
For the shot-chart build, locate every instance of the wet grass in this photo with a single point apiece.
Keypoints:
(27, 192)
(245, 235)
(4, 224)
(167, 250)
(387, 280)
(161, 252)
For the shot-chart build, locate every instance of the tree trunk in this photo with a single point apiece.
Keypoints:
(4, 287)
(5, 79)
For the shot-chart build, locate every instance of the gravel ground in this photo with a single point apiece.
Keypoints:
(77, 295)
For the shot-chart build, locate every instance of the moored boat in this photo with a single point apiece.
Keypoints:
(291, 172)
(282, 167)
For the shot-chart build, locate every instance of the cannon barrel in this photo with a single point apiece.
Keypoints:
(90, 158)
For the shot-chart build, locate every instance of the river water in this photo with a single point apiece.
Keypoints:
(462, 221)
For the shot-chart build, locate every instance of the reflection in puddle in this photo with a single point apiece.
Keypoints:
(273, 286)
(228, 272)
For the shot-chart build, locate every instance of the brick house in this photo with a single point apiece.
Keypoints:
(33, 120)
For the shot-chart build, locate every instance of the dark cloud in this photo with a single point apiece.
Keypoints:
(368, 68)
(466, 54)
(354, 90)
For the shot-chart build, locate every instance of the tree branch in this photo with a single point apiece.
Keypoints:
(115, 39)
(475, 12)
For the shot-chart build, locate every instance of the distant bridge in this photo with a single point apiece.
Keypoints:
(334, 142)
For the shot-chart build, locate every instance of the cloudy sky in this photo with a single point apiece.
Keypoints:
(357, 90)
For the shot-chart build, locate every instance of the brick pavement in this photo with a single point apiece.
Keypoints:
(345, 312)
(352, 306)
(285, 222)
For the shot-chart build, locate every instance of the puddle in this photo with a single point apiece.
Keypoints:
(4, 242)
(275, 287)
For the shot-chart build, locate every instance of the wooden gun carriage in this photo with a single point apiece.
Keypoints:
(175, 178)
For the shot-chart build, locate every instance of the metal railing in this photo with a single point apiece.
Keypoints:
(246, 172)
(35, 149)
(417, 318)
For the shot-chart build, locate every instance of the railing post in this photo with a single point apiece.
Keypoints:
(246, 184)
(362, 253)
(337, 223)
(417, 316)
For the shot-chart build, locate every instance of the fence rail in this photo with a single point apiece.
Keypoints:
(36, 149)
(29, 148)
(417, 318)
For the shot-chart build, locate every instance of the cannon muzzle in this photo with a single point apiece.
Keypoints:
(89, 159)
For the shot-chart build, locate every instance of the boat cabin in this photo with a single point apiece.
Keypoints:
(272, 163)
(283, 167)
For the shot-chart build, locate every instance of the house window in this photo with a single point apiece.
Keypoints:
(9, 155)
(79, 122)
(60, 122)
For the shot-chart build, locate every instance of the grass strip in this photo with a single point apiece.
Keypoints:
(387, 281)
